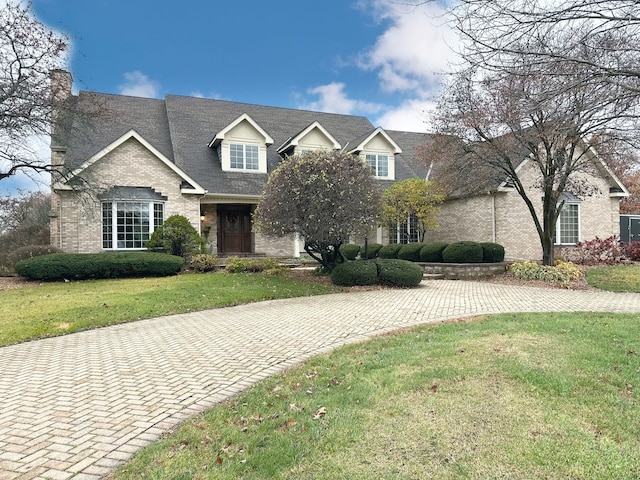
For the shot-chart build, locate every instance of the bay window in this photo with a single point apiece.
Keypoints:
(128, 225)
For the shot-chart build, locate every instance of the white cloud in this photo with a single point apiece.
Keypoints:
(137, 84)
(333, 99)
(413, 50)
(407, 59)
(411, 116)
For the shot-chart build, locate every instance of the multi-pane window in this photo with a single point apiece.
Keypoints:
(378, 164)
(129, 225)
(243, 157)
(568, 227)
(405, 232)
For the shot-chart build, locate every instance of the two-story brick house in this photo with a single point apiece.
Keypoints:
(146, 159)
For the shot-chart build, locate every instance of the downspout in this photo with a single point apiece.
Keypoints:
(429, 171)
(493, 217)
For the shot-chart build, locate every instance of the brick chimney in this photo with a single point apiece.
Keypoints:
(60, 84)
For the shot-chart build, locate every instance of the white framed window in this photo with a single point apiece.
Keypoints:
(129, 225)
(378, 164)
(568, 225)
(405, 232)
(243, 156)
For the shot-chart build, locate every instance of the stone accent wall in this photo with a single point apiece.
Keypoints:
(79, 215)
(461, 271)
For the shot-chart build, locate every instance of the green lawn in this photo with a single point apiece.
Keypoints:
(511, 396)
(617, 278)
(60, 308)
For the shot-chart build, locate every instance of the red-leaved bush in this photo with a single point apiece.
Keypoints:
(599, 251)
(633, 251)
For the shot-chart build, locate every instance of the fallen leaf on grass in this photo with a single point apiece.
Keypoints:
(321, 412)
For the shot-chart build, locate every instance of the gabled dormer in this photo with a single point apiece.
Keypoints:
(242, 146)
(378, 150)
(313, 137)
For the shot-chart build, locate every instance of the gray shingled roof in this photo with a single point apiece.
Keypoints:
(182, 127)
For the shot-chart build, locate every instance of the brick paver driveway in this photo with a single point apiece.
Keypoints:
(78, 406)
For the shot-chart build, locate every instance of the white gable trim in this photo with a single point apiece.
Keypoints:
(607, 169)
(293, 142)
(244, 117)
(595, 157)
(132, 134)
(378, 131)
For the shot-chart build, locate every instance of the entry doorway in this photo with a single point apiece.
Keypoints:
(234, 229)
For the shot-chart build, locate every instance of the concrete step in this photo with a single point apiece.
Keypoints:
(433, 276)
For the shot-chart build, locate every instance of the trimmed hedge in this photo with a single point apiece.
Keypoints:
(372, 250)
(432, 252)
(463, 252)
(411, 252)
(252, 265)
(349, 251)
(358, 272)
(82, 266)
(492, 252)
(389, 251)
(399, 273)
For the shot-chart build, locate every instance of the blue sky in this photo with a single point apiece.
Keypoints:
(377, 58)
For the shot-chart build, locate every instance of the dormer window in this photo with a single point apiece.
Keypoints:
(378, 164)
(242, 146)
(377, 149)
(243, 157)
(313, 138)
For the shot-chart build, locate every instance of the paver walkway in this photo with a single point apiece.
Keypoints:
(78, 406)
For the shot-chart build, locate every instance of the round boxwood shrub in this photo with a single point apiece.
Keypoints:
(399, 273)
(411, 252)
(372, 250)
(432, 252)
(358, 272)
(492, 252)
(176, 236)
(463, 252)
(349, 251)
(82, 266)
(389, 251)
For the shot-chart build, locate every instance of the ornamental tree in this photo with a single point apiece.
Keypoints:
(324, 196)
(413, 196)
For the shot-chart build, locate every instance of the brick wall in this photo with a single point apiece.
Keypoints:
(78, 227)
(473, 218)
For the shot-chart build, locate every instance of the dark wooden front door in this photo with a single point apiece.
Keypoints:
(234, 229)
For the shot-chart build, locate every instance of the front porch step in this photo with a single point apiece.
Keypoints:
(432, 276)
(241, 254)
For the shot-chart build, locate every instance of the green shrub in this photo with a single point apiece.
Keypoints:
(372, 251)
(411, 252)
(176, 236)
(359, 272)
(463, 252)
(399, 273)
(251, 265)
(561, 272)
(389, 251)
(29, 251)
(432, 252)
(204, 262)
(492, 252)
(82, 266)
(349, 251)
